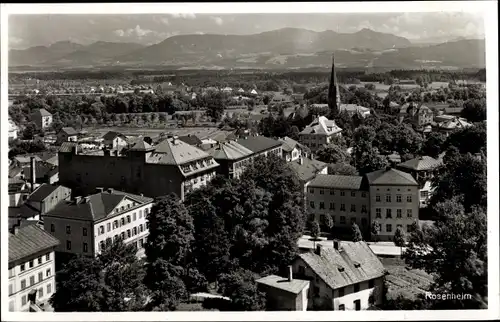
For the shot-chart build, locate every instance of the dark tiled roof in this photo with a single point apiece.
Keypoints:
(229, 150)
(140, 145)
(453, 110)
(42, 192)
(336, 181)
(97, 207)
(308, 170)
(330, 262)
(42, 169)
(390, 177)
(176, 152)
(111, 135)
(421, 163)
(14, 171)
(69, 131)
(259, 143)
(28, 241)
(42, 112)
(288, 144)
(67, 147)
(26, 158)
(294, 286)
(23, 211)
(191, 139)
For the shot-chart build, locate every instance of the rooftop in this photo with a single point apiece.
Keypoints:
(229, 150)
(69, 131)
(259, 143)
(111, 135)
(29, 240)
(42, 169)
(391, 177)
(352, 263)
(337, 181)
(294, 286)
(176, 152)
(322, 126)
(421, 163)
(42, 112)
(289, 144)
(308, 169)
(42, 192)
(191, 139)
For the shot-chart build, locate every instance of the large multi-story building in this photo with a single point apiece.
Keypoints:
(85, 225)
(319, 133)
(344, 198)
(261, 145)
(293, 150)
(31, 268)
(394, 200)
(42, 118)
(232, 157)
(171, 166)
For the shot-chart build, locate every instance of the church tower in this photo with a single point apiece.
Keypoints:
(333, 91)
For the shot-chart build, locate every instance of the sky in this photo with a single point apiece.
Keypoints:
(35, 30)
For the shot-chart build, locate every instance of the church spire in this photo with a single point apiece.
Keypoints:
(333, 91)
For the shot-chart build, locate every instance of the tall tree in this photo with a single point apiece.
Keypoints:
(400, 238)
(328, 222)
(241, 288)
(356, 233)
(375, 230)
(474, 110)
(434, 144)
(332, 153)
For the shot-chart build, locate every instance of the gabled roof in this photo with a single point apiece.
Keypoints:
(391, 177)
(454, 124)
(191, 139)
(29, 240)
(24, 211)
(336, 181)
(140, 145)
(42, 192)
(294, 286)
(176, 152)
(67, 147)
(42, 169)
(322, 126)
(421, 163)
(289, 144)
(94, 207)
(111, 135)
(42, 112)
(259, 143)
(69, 131)
(353, 263)
(26, 158)
(308, 169)
(354, 108)
(229, 150)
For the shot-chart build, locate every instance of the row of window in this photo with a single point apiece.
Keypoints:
(31, 264)
(388, 198)
(342, 206)
(343, 220)
(48, 273)
(332, 192)
(388, 213)
(122, 222)
(124, 235)
(388, 228)
(24, 298)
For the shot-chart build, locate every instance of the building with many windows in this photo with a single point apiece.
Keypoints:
(293, 150)
(85, 225)
(31, 268)
(319, 133)
(42, 118)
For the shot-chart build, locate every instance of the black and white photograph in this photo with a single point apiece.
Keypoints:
(205, 160)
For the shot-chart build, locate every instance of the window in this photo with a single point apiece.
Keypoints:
(388, 228)
(128, 233)
(353, 193)
(141, 243)
(135, 231)
(342, 193)
(115, 224)
(108, 226)
(122, 235)
(40, 292)
(68, 230)
(341, 307)
(22, 268)
(377, 198)
(49, 288)
(408, 198)
(398, 213)
(371, 284)
(32, 264)
(85, 247)
(398, 198)
(101, 229)
(32, 280)
(40, 276)
(409, 213)
(140, 214)
(23, 300)
(408, 228)
(363, 194)
(388, 198)
(52, 228)
(363, 209)
(134, 217)
(122, 221)
(321, 191)
(378, 213)
(84, 231)
(356, 287)
(108, 241)
(11, 289)
(321, 205)
(128, 219)
(311, 204)
(102, 246)
(424, 194)
(388, 213)
(23, 284)
(332, 192)
(39, 260)
(311, 190)
(341, 292)
(353, 208)
(47, 257)
(47, 272)
(342, 219)
(342, 207)
(332, 206)
(141, 228)
(68, 245)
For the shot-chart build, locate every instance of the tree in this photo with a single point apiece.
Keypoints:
(332, 153)
(433, 144)
(454, 250)
(342, 169)
(328, 222)
(356, 233)
(29, 131)
(474, 110)
(468, 140)
(375, 230)
(315, 231)
(166, 285)
(241, 288)
(400, 238)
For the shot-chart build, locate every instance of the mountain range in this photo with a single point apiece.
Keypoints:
(282, 48)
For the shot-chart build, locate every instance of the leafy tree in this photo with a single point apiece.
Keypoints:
(474, 110)
(332, 153)
(166, 285)
(315, 230)
(468, 140)
(29, 131)
(356, 233)
(400, 238)
(375, 230)
(241, 288)
(328, 222)
(454, 250)
(342, 169)
(433, 144)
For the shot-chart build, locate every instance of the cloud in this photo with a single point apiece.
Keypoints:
(15, 41)
(137, 32)
(184, 15)
(217, 20)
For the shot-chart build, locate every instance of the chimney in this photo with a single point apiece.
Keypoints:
(99, 189)
(106, 152)
(301, 160)
(86, 199)
(174, 139)
(110, 190)
(78, 199)
(33, 173)
(290, 273)
(16, 227)
(336, 244)
(318, 249)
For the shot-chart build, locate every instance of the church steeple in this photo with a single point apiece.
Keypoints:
(333, 91)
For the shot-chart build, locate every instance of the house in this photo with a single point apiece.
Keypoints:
(170, 166)
(253, 92)
(394, 200)
(293, 150)
(47, 196)
(44, 172)
(24, 160)
(18, 191)
(306, 170)
(85, 225)
(51, 158)
(421, 168)
(344, 198)
(42, 118)
(319, 133)
(50, 139)
(355, 109)
(279, 98)
(31, 268)
(348, 276)
(284, 294)
(13, 129)
(241, 90)
(114, 140)
(261, 145)
(298, 98)
(227, 89)
(232, 157)
(67, 134)
(447, 127)
(191, 139)
(420, 115)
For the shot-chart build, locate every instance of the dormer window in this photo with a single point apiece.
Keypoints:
(341, 269)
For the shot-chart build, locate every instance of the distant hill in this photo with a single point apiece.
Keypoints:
(283, 48)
